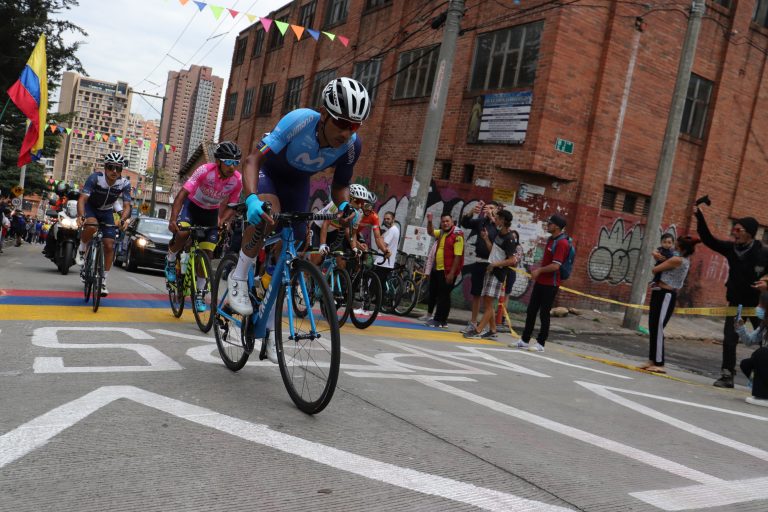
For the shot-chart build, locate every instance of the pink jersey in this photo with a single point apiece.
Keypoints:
(207, 190)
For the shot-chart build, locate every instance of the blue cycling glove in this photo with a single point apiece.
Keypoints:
(345, 208)
(255, 208)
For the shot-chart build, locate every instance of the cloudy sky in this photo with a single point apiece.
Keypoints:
(139, 41)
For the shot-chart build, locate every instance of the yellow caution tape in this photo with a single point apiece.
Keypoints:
(711, 311)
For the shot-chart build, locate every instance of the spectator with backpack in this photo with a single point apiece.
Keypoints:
(556, 265)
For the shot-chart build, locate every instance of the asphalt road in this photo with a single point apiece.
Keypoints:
(130, 409)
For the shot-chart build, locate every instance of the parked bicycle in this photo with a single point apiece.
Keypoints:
(92, 273)
(308, 348)
(366, 290)
(192, 265)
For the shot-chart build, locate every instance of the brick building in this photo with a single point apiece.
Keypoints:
(590, 88)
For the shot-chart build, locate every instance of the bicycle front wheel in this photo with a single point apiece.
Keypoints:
(228, 326)
(98, 277)
(366, 299)
(308, 348)
(201, 300)
(86, 273)
(176, 291)
(392, 289)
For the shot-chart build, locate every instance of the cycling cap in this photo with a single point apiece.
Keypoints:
(358, 191)
(346, 98)
(115, 158)
(227, 150)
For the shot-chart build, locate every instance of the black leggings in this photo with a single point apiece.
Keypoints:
(756, 368)
(662, 306)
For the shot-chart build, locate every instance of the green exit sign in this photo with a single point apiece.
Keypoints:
(564, 146)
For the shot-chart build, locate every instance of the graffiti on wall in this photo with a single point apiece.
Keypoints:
(617, 253)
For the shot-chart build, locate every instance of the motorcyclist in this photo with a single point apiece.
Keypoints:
(66, 206)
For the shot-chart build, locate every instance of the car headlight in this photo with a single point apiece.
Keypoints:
(144, 242)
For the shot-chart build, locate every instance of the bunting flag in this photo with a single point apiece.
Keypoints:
(281, 26)
(106, 137)
(314, 33)
(201, 5)
(298, 31)
(266, 23)
(53, 128)
(344, 40)
(69, 130)
(251, 17)
(233, 12)
(330, 36)
(216, 10)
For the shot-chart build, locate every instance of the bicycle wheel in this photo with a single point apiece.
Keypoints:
(408, 298)
(176, 290)
(86, 273)
(366, 299)
(201, 269)
(228, 325)
(340, 285)
(98, 276)
(391, 292)
(309, 357)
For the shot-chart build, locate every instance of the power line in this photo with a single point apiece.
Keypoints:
(170, 49)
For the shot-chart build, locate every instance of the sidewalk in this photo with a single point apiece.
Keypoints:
(593, 322)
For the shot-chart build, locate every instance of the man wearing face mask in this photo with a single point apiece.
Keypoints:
(747, 262)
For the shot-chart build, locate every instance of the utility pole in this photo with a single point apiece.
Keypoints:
(430, 137)
(666, 162)
(155, 170)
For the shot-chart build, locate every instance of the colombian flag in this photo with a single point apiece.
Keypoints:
(30, 94)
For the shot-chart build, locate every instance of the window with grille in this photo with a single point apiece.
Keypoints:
(258, 43)
(761, 13)
(445, 172)
(248, 102)
(292, 94)
(266, 98)
(229, 112)
(630, 202)
(321, 80)
(696, 107)
(469, 173)
(416, 72)
(507, 58)
(240, 51)
(367, 73)
(609, 199)
(276, 38)
(336, 13)
(307, 14)
(724, 3)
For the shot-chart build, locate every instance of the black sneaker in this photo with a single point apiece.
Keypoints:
(725, 381)
(488, 335)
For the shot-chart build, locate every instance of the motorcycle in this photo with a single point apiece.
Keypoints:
(67, 236)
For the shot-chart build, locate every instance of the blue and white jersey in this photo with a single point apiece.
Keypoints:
(293, 151)
(101, 196)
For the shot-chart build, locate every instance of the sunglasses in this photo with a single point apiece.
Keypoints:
(229, 161)
(113, 167)
(343, 124)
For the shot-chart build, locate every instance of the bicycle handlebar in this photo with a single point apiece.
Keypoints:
(241, 208)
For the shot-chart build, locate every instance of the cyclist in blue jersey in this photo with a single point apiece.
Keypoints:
(96, 204)
(303, 143)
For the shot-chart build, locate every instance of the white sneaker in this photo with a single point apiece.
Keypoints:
(424, 318)
(271, 349)
(238, 296)
(104, 291)
(536, 347)
(757, 401)
(80, 258)
(519, 344)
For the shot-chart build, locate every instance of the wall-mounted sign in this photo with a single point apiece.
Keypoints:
(527, 190)
(500, 118)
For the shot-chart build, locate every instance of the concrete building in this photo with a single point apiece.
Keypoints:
(551, 108)
(190, 113)
(101, 108)
(138, 155)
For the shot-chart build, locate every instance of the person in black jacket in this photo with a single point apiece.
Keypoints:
(747, 261)
(481, 220)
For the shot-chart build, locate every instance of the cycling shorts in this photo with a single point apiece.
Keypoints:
(196, 216)
(293, 196)
(106, 217)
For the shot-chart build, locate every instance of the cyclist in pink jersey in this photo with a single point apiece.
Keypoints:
(202, 201)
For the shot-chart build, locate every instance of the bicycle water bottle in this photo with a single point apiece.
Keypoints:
(267, 277)
(184, 260)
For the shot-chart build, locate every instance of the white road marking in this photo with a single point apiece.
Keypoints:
(183, 335)
(581, 435)
(708, 495)
(39, 431)
(669, 420)
(552, 360)
(48, 337)
(142, 283)
(410, 351)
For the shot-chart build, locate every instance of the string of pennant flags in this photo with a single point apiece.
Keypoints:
(106, 137)
(267, 23)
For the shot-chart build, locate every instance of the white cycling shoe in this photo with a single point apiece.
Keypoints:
(271, 349)
(238, 296)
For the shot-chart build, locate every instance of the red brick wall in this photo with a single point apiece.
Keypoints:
(581, 78)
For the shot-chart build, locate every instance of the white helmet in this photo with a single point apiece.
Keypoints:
(346, 98)
(357, 191)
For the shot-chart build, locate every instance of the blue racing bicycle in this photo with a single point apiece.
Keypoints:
(308, 343)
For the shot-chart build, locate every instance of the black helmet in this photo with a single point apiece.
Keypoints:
(227, 150)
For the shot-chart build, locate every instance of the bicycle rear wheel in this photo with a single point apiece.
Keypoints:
(98, 276)
(176, 291)
(202, 265)
(366, 299)
(340, 285)
(308, 356)
(392, 289)
(228, 326)
(408, 298)
(87, 274)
